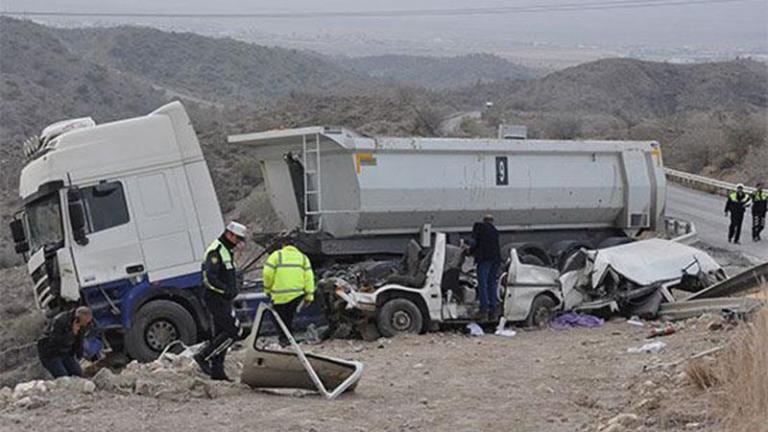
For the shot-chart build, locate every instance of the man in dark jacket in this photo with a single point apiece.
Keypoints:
(62, 342)
(759, 200)
(219, 289)
(487, 252)
(736, 206)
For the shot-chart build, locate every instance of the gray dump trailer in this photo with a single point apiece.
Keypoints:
(359, 195)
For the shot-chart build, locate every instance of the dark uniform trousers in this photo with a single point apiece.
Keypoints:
(226, 329)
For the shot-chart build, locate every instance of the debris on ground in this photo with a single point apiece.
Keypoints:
(574, 319)
(651, 347)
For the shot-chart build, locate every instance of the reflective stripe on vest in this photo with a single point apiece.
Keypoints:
(761, 196)
(734, 197)
(226, 259)
(289, 277)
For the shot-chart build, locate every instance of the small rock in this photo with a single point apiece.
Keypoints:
(418, 365)
(358, 348)
(31, 402)
(31, 388)
(693, 425)
(715, 325)
(105, 380)
(647, 404)
(6, 395)
(613, 428)
(424, 401)
(383, 342)
(625, 419)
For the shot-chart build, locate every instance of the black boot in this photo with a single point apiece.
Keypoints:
(205, 366)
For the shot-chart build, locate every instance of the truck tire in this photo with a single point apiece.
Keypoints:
(398, 316)
(542, 309)
(614, 241)
(157, 324)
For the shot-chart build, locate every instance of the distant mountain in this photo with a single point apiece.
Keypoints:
(213, 69)
(637, 89)
(438, 72)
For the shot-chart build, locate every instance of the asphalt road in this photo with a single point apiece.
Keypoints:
(706, 212)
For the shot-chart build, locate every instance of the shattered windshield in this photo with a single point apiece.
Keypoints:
(44, 222)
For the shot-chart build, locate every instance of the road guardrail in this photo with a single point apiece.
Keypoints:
(702, 183)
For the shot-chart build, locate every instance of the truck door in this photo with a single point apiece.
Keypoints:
(113, 251)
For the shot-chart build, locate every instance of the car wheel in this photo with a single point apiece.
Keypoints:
(398, 316)
(542, 309)
(157, 324)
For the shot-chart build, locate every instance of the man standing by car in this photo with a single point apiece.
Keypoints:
(219, 289)
(736, 206)
(487, 252)
(62, 342)
(289, 281)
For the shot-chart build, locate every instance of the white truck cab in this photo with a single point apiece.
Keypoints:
(117, 216)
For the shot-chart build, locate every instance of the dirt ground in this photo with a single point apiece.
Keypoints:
(543, 380)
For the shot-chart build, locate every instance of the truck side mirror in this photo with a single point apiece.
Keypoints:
(77, 216)
(19, 236)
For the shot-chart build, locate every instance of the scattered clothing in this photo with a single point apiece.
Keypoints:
(475, 329)
(651, 348)
(573, 319)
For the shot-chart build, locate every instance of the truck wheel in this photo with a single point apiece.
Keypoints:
(399, 316)
(614, 241)
(157, 324)
(542, 309)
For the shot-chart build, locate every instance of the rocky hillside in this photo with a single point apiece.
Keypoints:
(217, 70)
(439, 72)
(41, 82)
(710, 118)
(635, 88)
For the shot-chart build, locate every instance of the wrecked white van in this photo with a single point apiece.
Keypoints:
(432, 289)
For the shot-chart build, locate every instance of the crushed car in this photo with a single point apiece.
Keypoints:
(431, 288)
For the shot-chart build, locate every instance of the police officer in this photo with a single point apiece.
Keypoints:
(289, 281)
(219, 289)
(759, 199)
(736, 205)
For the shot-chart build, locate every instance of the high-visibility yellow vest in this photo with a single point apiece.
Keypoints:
(287, 275)
(226, 260)
(735, 198)
(760, 196)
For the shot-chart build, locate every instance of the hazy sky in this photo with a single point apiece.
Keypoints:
(733, 24)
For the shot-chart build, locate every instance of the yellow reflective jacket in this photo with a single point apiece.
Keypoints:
(287, 275)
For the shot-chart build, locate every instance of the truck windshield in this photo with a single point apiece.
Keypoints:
(44, 222)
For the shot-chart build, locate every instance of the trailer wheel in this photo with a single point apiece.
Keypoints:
(532, 260)
(542, 309)
(398, 316)
(157, 324)
(614, 241)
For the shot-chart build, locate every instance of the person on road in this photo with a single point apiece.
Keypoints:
(759, 199)
(289, 281)
(487, 253)
(736, 206)
(218, 291)
(62, 342)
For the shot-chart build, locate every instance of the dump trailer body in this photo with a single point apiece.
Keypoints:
(338, 182)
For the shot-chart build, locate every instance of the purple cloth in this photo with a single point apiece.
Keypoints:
(573, 319)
